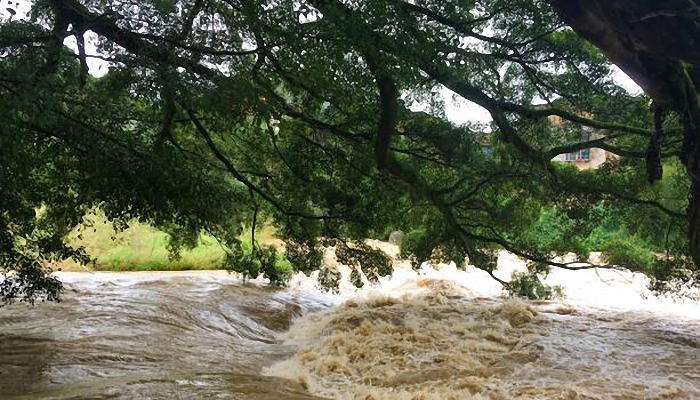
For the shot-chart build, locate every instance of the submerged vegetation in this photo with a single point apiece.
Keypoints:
(212, 116)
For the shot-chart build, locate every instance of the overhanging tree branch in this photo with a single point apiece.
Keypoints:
(236, 174)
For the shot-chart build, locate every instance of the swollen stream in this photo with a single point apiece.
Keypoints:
(150, 336)
(437, 334)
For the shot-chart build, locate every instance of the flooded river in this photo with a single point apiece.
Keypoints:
(437, 334)
(150, 336)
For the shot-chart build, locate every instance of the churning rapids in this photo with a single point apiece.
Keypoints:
(436, 334)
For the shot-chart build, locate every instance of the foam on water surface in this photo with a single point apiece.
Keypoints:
(443, 333)
(436, 333)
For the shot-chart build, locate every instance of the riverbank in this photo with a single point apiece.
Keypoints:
(143, 248)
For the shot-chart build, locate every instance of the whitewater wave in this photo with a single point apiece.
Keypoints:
(441, 346)
(442, 333)
(426, 347)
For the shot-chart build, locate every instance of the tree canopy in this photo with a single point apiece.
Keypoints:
(221, 113)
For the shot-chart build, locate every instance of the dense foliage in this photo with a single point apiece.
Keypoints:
(218, 113)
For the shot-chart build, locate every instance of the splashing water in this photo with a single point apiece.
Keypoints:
(439, 346)
(445, 334)
(438, 333)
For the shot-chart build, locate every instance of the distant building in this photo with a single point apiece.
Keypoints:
(584, 159)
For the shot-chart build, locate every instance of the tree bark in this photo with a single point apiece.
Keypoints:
(694, 215)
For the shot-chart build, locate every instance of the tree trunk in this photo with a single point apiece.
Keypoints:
(688, 107)
(655, 43)
(694, 220)
(692, 163)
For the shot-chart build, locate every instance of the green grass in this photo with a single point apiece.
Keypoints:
(144, 248)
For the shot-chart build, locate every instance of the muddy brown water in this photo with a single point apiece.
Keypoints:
(206, 335)
(150, 336)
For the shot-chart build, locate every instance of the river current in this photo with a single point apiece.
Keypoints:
(438, 333)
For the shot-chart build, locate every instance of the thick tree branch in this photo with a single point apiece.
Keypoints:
(77, 14)
(239, 176)
(206, 50)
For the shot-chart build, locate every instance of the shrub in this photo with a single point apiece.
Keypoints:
(528, 285)
(329, 279)
(357, 255)
(251, 262)
(628, 251)
(303, 255)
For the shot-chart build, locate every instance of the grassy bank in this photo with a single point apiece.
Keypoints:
(144, 248)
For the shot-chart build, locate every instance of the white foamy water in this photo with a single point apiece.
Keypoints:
(605, 289)
(442, 333)
(437, 333)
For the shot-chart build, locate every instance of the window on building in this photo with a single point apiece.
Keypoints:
(581, 155)
(585, 154)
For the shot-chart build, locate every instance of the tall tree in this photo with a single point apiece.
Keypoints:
(214, 110)
(656, 43)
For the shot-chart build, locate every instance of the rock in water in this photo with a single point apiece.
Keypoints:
(395, 238)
